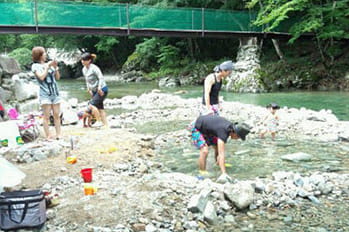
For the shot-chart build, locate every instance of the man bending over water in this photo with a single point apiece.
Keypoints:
(212, 130)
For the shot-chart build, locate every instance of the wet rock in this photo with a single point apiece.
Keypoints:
(303, 193)
(240, 194)
(259, 186)
(169, 82)
(288, 220)
(325, 188)
(210, 213)
(197, 203)
(297, 157)
(230, 219)
(314, 199)
(251, 215)
(190, 225)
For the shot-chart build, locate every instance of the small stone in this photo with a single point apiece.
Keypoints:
(150, 228)
(288, 220)
(138, 227)
(314, 199)
(251, 215)
(229, 218)
(50, 214)
(321, 229)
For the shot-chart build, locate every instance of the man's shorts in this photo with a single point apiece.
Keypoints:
(97, 100)
(199, 140)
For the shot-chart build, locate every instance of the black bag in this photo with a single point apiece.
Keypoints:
(22, 209)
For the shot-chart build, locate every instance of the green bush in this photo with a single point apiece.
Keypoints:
(22, 55)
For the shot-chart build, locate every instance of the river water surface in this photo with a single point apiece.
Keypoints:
(254, 157)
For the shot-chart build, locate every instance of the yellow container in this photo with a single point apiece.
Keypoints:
(89, 189)
(72, 159)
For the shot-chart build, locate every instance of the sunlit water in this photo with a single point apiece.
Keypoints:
(254, 157)
(338, 102)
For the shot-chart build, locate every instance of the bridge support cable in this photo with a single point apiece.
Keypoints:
(203, 22)
(128, 18)
(36, 16)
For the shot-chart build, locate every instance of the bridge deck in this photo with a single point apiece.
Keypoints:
(57, 17)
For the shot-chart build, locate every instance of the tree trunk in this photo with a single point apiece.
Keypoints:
(190, 48)
(277, 49)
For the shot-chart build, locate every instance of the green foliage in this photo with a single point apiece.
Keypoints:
(148, 51)
(106, 44)
(22, 55)
(168, 56)
(7, 42)
(327, 19)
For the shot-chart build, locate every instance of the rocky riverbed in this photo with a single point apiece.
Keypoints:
(137, 192)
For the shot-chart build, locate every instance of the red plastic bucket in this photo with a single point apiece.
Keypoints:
(86, 174)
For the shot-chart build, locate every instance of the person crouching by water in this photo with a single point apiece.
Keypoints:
(47, 74)
(212, 86)
(213, 130)
(96, 86)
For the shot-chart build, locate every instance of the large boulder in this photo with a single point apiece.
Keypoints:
(240, 194)
(9, 66)
(70, 71)
(132, 76)
(24, 89)
(169, 82)
(5, 95)
(29, 106)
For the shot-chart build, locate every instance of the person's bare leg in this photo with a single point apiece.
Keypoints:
(103, 117)
(262, 134)
(221, 163)
(56, 108)
(216, 154)
(95, 112)
(203, 158)
(46, 111)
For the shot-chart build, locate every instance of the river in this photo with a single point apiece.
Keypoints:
(254, 157)
(338, 102)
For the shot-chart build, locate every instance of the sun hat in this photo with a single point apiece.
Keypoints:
(226, 65)
(273, 105)
(80, 114)
(241, 129)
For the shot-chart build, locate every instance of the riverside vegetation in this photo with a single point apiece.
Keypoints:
(318, 62)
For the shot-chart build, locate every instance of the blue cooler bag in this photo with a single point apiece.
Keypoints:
(22, 209)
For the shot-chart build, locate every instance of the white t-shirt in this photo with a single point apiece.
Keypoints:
(94, 77)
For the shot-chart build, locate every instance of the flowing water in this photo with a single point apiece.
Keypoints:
(338, 102)
(248, 158)
(254, 157)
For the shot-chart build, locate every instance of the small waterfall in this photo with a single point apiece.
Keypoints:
(245, 77)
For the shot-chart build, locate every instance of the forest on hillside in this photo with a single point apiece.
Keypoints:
(325, 55)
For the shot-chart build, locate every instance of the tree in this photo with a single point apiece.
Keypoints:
(327, 20)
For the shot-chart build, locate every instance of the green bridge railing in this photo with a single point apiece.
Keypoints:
(83, 14)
